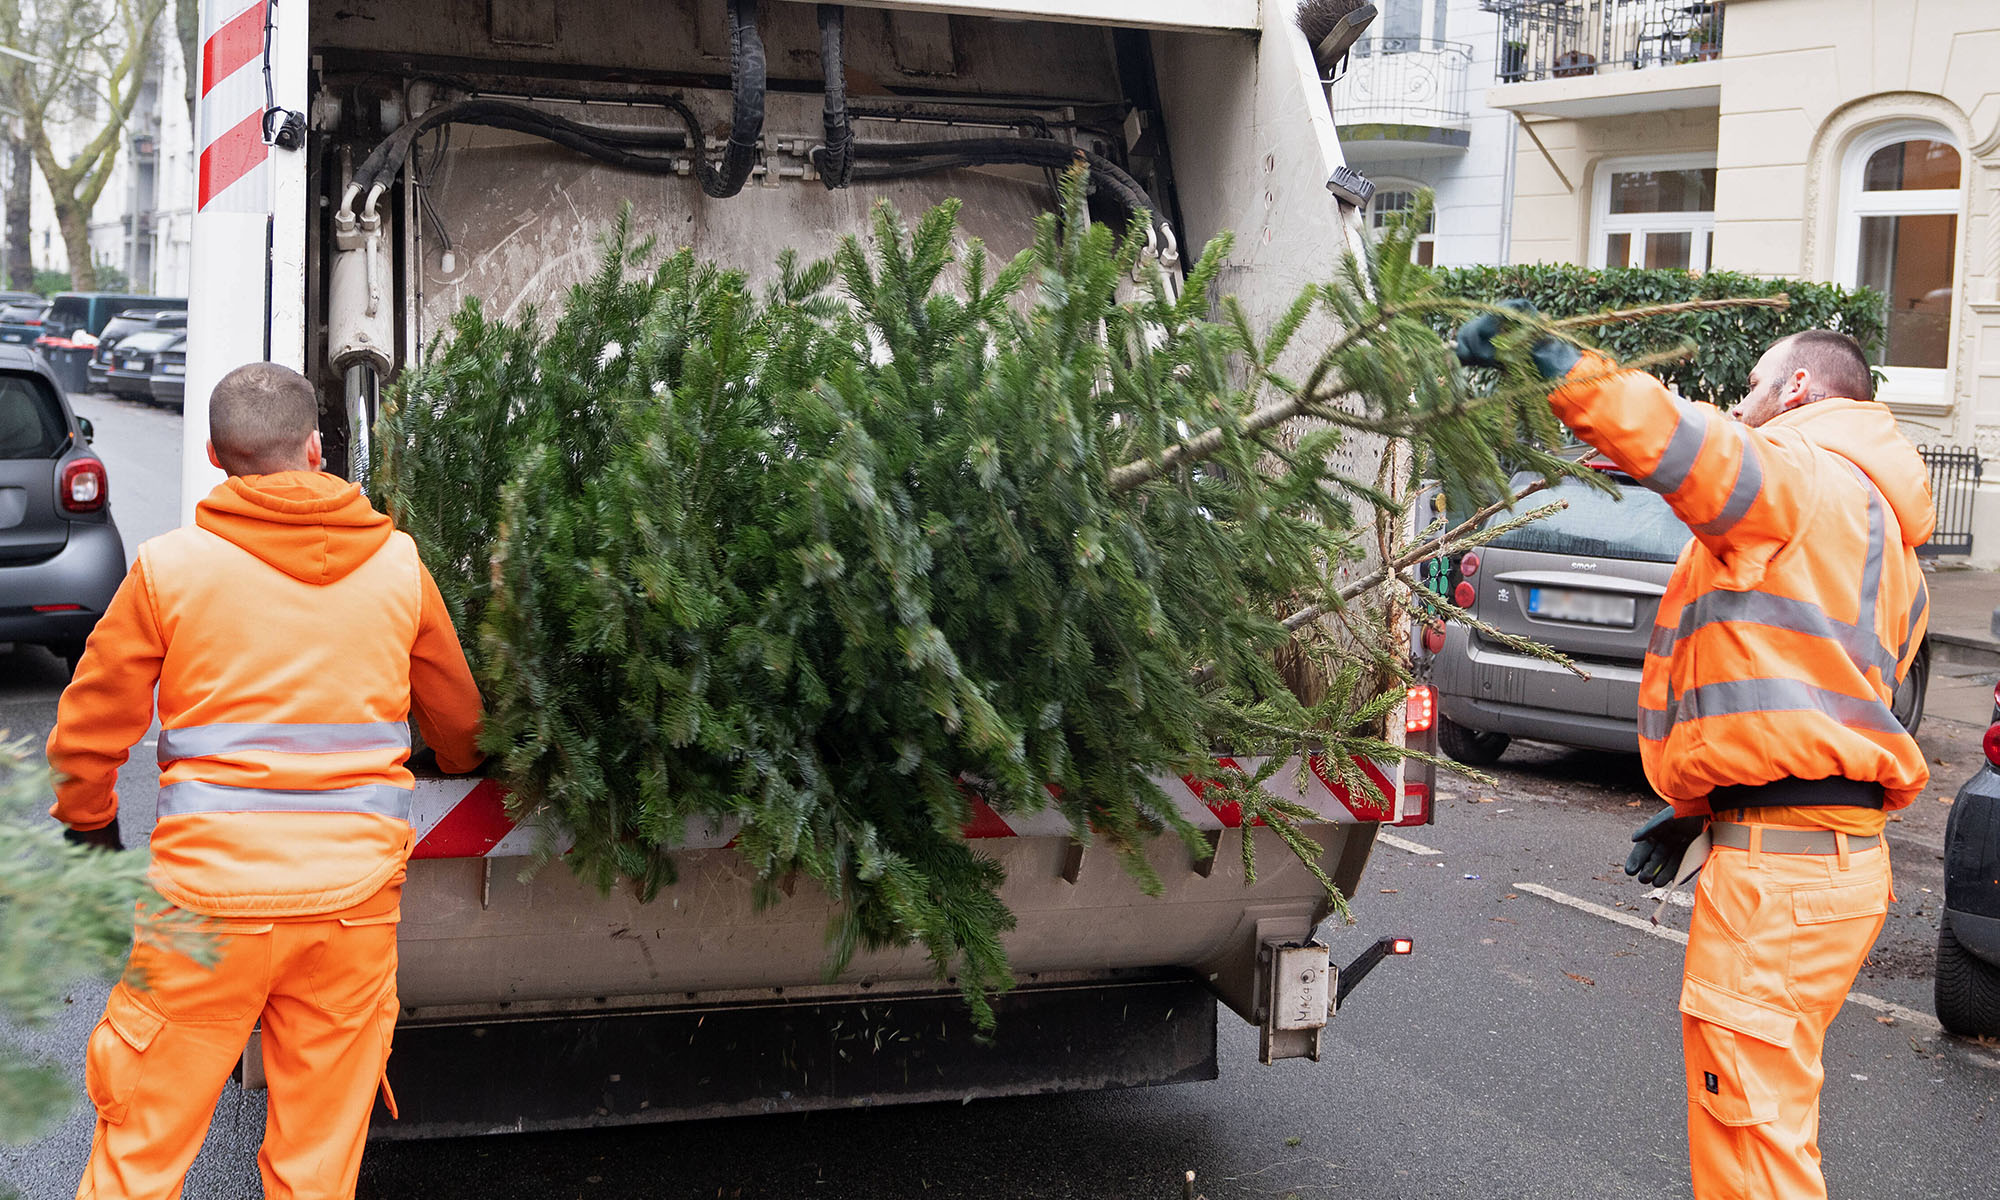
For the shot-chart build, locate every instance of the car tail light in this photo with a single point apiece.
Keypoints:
(1419, 710)
(1468, 564)
(1463, 595)
(1991, 744)
(35, 321)
(56, 608)
(84, 485)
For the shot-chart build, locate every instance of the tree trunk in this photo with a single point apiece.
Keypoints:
(20, 198)
(187, 24)
(74, 221)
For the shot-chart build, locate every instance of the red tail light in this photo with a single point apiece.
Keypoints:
(36, 321)
(1419, 710)
(1468, 564)
(1991, 744)
(1434, 638)
(1463, 595)
(56, 608)
(84, 486)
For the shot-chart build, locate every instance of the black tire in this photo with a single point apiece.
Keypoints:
(1469, 746)
(1909, 699)
(1968, 988)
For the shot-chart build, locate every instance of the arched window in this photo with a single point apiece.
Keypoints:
(1400, 200)
(1901, 194)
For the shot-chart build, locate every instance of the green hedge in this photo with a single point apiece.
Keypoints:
(1728, 343)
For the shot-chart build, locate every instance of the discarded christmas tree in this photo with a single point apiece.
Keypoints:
(814, 558)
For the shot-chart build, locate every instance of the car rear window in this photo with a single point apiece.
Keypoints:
(1634, 524)
(149, 339)
(31, 426)
(69, 312)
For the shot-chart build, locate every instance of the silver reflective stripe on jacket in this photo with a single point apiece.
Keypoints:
(211, 741)
(1743, 697)
(194, 796)
(1682, 449)
(1863, 648)
(1749, 482)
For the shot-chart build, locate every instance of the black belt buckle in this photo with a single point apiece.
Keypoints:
(1798, 793)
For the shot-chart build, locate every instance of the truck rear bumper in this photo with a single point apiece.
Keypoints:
(512, 1076)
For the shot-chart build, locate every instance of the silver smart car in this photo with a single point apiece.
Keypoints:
(60, 555)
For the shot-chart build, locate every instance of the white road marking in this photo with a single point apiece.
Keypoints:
(1403, 843)
(1921, 1020)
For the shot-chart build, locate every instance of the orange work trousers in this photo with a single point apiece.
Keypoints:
(325, 990)
(1773, 949)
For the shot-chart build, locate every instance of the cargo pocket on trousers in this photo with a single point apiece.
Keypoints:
(1733, 1044)
(116, 1058)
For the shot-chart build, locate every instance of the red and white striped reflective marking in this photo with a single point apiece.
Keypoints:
(234, 176)
(467, 818)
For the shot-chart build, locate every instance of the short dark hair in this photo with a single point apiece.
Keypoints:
(1835, 360)
(259, 415)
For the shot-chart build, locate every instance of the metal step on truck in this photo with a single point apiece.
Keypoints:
(367, 166)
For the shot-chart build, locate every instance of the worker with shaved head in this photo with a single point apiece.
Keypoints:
(1765, 713)
(291, 633)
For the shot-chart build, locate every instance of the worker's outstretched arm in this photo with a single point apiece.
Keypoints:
(1733, 485)
(442, 694)
(107, 706)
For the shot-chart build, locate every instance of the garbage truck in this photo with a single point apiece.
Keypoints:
(367, 166)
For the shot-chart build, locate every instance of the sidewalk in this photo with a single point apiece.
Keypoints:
(1965, 654)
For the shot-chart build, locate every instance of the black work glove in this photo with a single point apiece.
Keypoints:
(1661, 843)
(101, 839)
(1553, 357)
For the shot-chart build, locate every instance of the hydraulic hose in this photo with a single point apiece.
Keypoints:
(747, 80)
(835, 160)
(903, 160)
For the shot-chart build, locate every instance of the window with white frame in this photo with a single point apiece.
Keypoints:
(1654, 212)
(1386, 204)
(1901, 192)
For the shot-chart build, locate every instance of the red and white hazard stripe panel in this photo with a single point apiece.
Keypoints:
(467, 818)
(235, 172)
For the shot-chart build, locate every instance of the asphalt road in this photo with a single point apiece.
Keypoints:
(1530, 1048)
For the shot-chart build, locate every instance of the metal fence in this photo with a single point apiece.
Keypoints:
(1955, 473)
(1403, 81)
(1557, 39)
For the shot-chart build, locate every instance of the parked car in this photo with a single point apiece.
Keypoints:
(21, 321)
(169, 382)
(1968, 953)
(72, 325)
(1586, 581)
(60, 554)
(128, 370)
(119, 328)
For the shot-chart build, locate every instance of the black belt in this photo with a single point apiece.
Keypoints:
(1797, 793)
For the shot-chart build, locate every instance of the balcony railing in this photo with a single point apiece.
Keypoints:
(1403, 81)
(1558, 39)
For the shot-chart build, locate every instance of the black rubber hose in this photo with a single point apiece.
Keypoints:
(835, 160)
(747, 80)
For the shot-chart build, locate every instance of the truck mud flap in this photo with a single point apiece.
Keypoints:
(687, 1064)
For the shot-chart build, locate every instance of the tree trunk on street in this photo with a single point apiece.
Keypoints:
(74, 221)
(20, 197)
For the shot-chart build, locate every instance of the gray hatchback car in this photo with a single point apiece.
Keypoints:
(61, 558)
(1586, 581)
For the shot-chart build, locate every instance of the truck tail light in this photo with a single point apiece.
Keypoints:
(1468, 564)
(1463, 595)
(1434, 637)
(1991, 744)
(1400, 946)
(84, 485)
(1419, 710)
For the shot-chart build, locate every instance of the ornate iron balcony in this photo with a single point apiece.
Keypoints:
(1558, 39)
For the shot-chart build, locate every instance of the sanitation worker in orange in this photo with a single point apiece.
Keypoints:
(1764, 714)
(291, 632)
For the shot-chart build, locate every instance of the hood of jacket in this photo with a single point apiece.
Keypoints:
(1864, 433)
(312, 526)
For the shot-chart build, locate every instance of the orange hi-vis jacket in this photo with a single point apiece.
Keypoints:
(1797, 607)
(290, 631)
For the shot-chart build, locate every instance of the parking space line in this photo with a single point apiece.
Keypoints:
(1405, 844)
(1921, 1020)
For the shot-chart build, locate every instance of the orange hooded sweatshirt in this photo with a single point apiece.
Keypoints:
(291, 631)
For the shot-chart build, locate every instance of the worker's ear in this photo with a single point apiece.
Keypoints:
(213, 461)
(315, 452)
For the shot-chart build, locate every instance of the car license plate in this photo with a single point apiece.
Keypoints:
(15, 337)
(1588, 608)
(135, 364)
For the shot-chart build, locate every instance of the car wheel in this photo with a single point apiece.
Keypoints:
(1968, 988)
(1909, 699)
(1469, 746)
